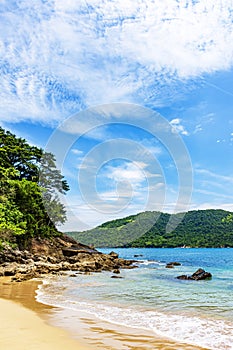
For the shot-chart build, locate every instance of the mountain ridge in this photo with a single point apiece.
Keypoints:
(198, 228)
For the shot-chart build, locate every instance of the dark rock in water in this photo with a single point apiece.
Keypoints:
(175, 263)
(137, 255)
(117, 271)
(114, 276)
(184, 277)
(199, 275)
(170, 265)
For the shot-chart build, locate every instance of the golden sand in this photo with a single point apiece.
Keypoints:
(24, 326)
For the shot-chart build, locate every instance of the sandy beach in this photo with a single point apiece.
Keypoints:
(22, 328)
(26, 324)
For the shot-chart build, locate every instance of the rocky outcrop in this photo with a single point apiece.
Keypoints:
(54, 256)
(199, 275)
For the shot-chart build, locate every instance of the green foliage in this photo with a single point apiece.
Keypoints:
(201, 228)
(228, 219)
(29, 187)
(11, 219)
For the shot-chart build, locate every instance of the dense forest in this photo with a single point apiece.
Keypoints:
(29, 188)
(200, 228)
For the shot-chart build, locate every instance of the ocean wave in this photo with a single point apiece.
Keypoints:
(150, 262)
(210, 333)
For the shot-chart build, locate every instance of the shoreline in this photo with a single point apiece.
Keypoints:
(48, 327)
(24, 321)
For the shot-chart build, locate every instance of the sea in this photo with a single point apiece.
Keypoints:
(151, 299)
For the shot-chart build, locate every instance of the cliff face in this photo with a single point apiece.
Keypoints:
(44, 256)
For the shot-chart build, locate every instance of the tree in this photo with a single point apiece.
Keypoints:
(29, 187)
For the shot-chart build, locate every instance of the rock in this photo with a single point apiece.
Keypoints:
(114, 276)
(71, 251)
(137, 255)
(51, 259)
(56, 255)
(114, 255)
(169, 266)
(87, 266)
(19, 277)
(175, 263)
(199, 275)
(183, 277)
(129, 267)
(10, 269)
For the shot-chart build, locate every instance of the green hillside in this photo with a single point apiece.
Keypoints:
(200, 228)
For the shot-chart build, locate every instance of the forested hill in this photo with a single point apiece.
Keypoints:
(201, 228)
(29, 187)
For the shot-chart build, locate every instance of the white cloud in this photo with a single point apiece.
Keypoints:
(59, 57)
(212, 185)
(126, 172)
(198, 128)
(178, 127)
(77, 151)
(217, 177)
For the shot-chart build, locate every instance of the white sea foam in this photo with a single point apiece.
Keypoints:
(149, 262)
(204, 332)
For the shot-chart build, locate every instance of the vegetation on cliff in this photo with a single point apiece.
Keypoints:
(200, 228)
(29, 188)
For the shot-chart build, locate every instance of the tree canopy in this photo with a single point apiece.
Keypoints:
(30, 185)
(198, 228)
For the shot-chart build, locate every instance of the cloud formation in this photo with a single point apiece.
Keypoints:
(178, 127)
(58, 57)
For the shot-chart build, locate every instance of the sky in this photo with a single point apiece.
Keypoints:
(134, 98)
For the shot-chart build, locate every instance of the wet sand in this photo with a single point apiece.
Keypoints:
(28, 324)
(21, 326)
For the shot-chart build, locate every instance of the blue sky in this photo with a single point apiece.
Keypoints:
(127, 63)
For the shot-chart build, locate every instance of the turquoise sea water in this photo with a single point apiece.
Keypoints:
(150, 298)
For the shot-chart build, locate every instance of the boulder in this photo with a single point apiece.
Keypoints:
(114, 255)
(199, 275)
(10, 269)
